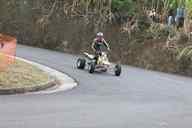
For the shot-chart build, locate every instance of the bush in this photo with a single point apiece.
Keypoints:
(127, 6)
(143, 22)
(182, 38)
(158, 31)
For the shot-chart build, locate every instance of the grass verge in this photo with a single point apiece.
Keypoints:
(21, 75)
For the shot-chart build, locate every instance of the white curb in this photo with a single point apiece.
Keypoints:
(65, 82)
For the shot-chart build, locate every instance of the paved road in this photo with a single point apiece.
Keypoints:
(137, 99)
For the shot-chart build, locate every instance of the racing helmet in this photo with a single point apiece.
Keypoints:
(99, 34)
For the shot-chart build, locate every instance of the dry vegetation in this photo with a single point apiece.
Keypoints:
(21, 74)
(70, 26)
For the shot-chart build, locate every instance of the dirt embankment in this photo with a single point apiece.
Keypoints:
(74, 36)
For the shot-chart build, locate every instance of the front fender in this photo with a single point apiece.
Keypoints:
(89, 56)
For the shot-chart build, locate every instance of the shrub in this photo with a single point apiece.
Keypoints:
(143, 22)
(158, 31)
(124, 6)
(182, 38)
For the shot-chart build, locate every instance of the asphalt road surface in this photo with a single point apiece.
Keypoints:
(136, 99)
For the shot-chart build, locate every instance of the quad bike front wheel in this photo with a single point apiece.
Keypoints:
(81, 63)
(117, 70)
(92, 67)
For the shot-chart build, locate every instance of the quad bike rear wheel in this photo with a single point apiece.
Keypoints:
(81, 63)
(92, 67)
(117, 70)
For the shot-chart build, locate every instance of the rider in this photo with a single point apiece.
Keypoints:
(98, 43)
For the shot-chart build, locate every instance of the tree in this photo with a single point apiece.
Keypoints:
(188, 18)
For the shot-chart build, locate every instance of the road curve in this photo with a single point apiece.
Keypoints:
(137, 99)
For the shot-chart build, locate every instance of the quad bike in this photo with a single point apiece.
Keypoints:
(101, 65)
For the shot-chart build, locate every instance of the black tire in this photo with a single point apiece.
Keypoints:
(118, 70)
(81, 63)
(92, 67)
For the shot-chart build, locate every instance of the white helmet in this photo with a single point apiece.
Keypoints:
(100, 34)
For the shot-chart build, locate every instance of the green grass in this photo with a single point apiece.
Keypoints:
(21, 74)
